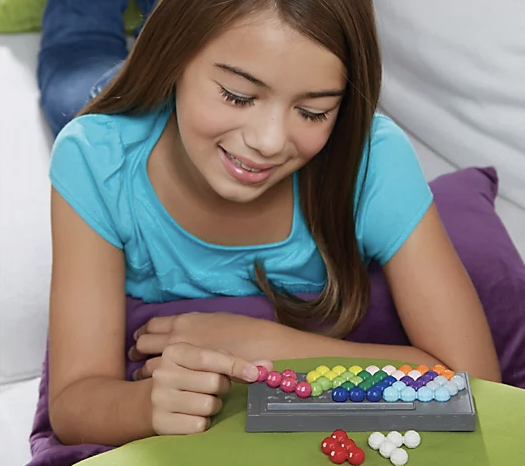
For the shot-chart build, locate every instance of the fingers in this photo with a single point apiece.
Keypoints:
(194, 404)
(167, 423)
(155, 325)
(267, 364)
(146, 371)
(149, 344)
(205, 360)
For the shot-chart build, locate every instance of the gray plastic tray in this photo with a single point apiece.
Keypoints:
(272, 410)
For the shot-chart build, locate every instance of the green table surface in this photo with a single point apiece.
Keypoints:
(500, 429)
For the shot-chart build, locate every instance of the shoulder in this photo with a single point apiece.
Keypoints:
(388, 142)
(93, 161)
(98, 130)
(392, 193)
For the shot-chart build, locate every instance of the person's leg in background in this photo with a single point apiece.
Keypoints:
(82, 41)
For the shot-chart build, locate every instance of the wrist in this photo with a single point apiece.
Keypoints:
(145, 412)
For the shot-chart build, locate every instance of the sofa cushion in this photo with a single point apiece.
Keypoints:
(454, 74)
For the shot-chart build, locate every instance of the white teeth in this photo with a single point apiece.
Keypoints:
(240, 164)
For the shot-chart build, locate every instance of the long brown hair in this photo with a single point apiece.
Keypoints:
(177, 30)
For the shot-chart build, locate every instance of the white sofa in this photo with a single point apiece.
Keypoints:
(448, 86)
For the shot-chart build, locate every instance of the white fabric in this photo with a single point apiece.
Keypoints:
(25, 255)
(455, 75)
(17, 408)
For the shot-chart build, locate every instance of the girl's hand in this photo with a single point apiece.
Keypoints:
(187, 384)
(246, 337)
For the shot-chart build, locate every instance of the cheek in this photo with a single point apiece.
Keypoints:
(201, 119)
(309, 143)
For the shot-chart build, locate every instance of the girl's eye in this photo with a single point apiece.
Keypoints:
(234, 98)
(313, 116)
(243, 101)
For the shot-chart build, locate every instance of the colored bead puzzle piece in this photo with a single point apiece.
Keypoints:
(371, 397)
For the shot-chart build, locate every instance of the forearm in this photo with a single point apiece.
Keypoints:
(305, 345)
(102, 411)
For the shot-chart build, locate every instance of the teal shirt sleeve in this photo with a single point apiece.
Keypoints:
(394, 196)
(86, 165)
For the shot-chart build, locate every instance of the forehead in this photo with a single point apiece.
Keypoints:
(276, 54)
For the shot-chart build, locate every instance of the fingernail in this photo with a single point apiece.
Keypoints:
(134, 376)
(250, 373)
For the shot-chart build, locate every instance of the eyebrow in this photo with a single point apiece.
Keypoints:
(249, 77)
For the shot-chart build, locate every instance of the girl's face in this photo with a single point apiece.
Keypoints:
(255, 105)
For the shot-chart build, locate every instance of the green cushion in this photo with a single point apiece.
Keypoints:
(500, 410)
(18, 16)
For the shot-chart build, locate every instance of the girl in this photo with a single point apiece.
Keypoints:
(238, 152)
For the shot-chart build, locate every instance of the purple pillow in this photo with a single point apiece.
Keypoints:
(465, 200)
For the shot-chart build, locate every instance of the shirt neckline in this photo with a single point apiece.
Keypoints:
(159, 125)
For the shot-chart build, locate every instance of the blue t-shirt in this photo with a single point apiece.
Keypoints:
(99, 166)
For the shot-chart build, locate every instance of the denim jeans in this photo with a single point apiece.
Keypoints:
(82, 45)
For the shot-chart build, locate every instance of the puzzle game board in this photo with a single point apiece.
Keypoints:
(358, 400)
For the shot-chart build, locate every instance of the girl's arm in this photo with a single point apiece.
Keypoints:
(89, 401)
(434, 297)
(437, 303)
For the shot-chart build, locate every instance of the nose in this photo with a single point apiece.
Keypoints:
(267, 132)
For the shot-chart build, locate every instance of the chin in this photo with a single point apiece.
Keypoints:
(240, 196)
(237, 192)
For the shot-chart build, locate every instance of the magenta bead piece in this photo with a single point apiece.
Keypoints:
(303, 390)
(288, 384)
(289, 373)
(263, 374)
(273, 380)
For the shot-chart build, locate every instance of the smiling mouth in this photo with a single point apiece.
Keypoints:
(240, 164)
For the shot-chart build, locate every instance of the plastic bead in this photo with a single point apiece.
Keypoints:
(374, 394)
(386, 448)
(375, 440)
(339, 369)
(459, 381)
(399, 385)
(263, 374)
(339, 394)
(288, 384)
(356, 456)
(425, 394)
(356, 394)
(397, 374)
(411, 439)
(328, 444)
(312, 376)
(273, 380)
(303, 390)
(391, 394)
(422, 368)
(451, 387)
(442, 394)
(399, 457)
(396, 438)
(408, 394)
(389, 369)
(317, 389)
